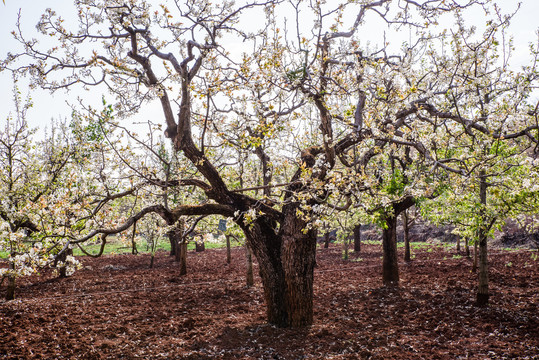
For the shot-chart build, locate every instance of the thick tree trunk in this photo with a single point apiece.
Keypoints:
(266, 246)
(249, 275)
(286, 263)
(390, 267)
(406, 229)
(298, 258)
(357, 238)
(183, 258)
(228, 254)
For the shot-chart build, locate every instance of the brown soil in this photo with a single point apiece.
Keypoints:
(116, 307)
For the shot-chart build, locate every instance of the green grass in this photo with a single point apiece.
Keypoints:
(116, 247)
(372, 242)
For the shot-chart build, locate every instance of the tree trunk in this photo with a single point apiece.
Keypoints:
(467, 246)
(62, 272)
(177, 250)
(458, 244)
(199, 246)
(482, 291)
(298, 258)
(390, 267)
(286, 264)
(172, 246)
(474, 268)
(183, 257)
(173, 243)
(326, 240)
(228, 254)
(357, 238)
(406, 229)
(10, 292)
(266, 246)
(152, 260)
(134, 249)
(345, 245)
(249, 276)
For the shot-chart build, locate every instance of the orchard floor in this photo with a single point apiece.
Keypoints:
(118, 308)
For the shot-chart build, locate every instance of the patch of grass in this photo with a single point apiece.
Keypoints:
(163, 244)
(372, 242)
(421, 245)
(457, 256)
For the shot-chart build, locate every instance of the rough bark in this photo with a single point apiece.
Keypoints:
(266, 246)
(298, 258)
(286, 265)
(390, 268)
(357, 238)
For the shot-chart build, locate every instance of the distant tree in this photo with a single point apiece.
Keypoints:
(493, 152)
(35, 196)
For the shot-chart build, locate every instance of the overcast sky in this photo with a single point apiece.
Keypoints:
(47, 106)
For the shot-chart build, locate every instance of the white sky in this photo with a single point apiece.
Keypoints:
(53, 106)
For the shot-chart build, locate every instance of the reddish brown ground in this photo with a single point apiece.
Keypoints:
(116, 307)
